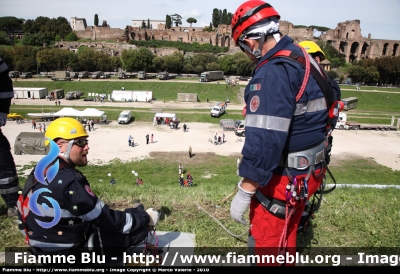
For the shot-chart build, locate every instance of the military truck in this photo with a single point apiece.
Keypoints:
(71, 95)
(209, 76)
(61, 76)
(126, 75)
(143, 75)
(97, 74)
(83, 74)
(14, 74)
(165, 75)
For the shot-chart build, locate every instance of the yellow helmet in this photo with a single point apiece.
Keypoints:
(312, 48)
(66, 128)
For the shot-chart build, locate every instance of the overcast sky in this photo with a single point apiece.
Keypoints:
(380, 18)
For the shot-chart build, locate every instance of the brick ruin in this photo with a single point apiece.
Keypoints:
(346, 38)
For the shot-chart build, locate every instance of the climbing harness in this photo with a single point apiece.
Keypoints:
(297, 189)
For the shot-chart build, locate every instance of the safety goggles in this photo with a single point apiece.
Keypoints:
(81, 142)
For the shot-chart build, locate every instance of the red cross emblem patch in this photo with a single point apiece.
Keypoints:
(254, 103)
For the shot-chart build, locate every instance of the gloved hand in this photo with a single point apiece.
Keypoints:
(154, 216)
(240, 203)
(3, 119)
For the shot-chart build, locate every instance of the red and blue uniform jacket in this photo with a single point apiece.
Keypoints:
(275, 123)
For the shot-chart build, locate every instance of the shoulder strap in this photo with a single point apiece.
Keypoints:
(320, 78)
(305, 61)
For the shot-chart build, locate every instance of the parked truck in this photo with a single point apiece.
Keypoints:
(342, 123)
(71, 95)
(61, 76)
(218, 109)
(165, 75)
(83, 74)
(350, 103)
(142, 75)
(209, 76)
(97, 74)
(126, 75)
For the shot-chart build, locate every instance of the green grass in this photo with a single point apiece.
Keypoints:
(162, 90)
(348, 217)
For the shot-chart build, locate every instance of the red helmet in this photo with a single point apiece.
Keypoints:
(249, 13)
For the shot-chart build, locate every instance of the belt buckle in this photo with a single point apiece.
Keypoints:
(302, 161)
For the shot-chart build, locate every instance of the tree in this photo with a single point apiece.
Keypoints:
(333, 74)
(143, 25)
(210, 28)
(24, 58)
(86, 58)
(148, 23)
(71, 36)
(9, 25)
(174, 62)
(215, 18)
(96, 20)
(158, 63)
(202, 59)
(4, 39)
(177, 19)
(168, 22)
(360, 74)
(191, 20)
(224, 17)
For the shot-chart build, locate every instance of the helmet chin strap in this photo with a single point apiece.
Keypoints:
(257, 53)
(66, 153)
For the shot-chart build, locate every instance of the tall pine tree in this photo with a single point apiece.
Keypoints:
(96, 20)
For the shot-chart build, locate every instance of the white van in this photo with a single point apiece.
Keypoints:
(124, 117)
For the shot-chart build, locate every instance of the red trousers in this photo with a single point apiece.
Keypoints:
(267, 229)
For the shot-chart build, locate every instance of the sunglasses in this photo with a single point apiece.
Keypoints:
(81, 142)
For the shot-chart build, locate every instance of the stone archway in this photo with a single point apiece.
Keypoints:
(353, 56)
(396, 50)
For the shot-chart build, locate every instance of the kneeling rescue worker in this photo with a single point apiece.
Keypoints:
(65, 216)
(285, 151)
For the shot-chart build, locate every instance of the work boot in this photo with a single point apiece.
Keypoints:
(12, 212)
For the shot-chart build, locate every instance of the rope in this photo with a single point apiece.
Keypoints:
(283, 240)
(230, 233)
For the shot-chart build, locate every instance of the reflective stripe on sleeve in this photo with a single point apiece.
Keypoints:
(48, 246)
(8, 180)
(7, 94)
(311, 106)
(3, 67)
(96, 211)
(49, 212)
(268, 122)
(128, 224)
(10, 190)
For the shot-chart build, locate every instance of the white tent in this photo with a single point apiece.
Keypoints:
(165, 115)
(92, 112)
(69, 112)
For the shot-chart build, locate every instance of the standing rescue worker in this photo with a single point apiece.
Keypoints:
(286, 112)
(318, 55)
(76, 219)
(9, 184)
